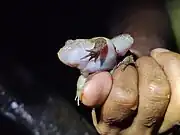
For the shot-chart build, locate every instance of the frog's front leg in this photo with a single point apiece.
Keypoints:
(80, 87)
(125, 62)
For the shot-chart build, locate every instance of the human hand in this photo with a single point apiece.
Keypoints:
(139, 99)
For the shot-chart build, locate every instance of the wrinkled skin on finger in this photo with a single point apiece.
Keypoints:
(170, 62)
(154, 94)
(121, 102)
(157, 76)
(97, 89)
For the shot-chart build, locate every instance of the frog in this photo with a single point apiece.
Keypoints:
(95, 55)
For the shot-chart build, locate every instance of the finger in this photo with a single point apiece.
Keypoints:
(170, 62)
(154, 94)
(97, 89)
(121, 102)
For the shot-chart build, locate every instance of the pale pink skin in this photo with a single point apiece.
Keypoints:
(96, 90)
(71, 55)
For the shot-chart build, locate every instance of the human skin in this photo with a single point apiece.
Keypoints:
(145, 89)
(123, 100)
(142, 93)
(158, 78)
(128, 94)
(170, 62)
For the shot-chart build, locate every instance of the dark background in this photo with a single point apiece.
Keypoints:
(32, 34)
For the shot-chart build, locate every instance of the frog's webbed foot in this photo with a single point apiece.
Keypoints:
(100, 48)
(93, 53)
(78, 96)
(124, 63)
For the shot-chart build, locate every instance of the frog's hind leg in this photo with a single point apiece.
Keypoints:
(92, 54)
(100, 50)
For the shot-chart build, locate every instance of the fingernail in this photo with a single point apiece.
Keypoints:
(157, 51)
(160, 50)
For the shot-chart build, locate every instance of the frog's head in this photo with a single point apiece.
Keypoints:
(72, 52)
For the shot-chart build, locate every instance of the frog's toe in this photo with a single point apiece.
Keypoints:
(78, 100)
(126, 61)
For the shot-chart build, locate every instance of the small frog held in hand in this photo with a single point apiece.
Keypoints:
(94, 55)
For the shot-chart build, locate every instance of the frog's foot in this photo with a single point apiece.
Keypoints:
(78, 100)
(92, 54)
(79, 94)
(80, 87)
(126, 61)
(100, 49)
